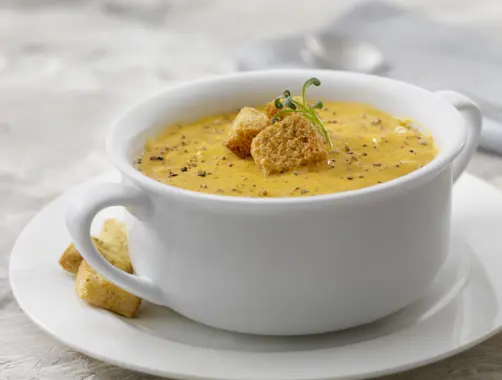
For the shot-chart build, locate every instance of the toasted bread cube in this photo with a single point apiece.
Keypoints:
(96, 290)
(70, 259)
(114, 232)
(271, 110)
(288, 144)
(247, 124)
(112, 244)
(115, 253)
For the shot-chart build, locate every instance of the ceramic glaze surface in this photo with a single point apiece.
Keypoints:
(353, 257)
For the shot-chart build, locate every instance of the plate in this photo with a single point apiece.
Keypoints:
(460, 310)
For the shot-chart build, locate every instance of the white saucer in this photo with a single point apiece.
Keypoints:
(461, 309)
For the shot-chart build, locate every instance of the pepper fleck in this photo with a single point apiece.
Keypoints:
(184, 169)
(365, 154)
(156, 158)
(304, 191)
(201, 173)
(377, 164)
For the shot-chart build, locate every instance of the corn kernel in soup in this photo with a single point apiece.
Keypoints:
(370, 147)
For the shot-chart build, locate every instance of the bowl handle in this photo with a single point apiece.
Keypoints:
(473, 123)
(84, 206)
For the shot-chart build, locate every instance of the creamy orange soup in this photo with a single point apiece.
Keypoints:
(370, 147)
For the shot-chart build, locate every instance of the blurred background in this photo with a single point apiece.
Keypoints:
(69, 67)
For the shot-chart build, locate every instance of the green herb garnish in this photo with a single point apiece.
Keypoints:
(302, 107)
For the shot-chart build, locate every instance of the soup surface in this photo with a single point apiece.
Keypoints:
(370, 147)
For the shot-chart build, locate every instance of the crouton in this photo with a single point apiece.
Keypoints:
(115, 253)
(94, 289)
(271, 110)
(288, 144)
(70, 259)
(90, 285)
(114, 232)
(247, 124)
(111, 242)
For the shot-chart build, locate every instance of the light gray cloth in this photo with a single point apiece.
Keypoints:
(434, 56)
(415, 49)
(421, 51)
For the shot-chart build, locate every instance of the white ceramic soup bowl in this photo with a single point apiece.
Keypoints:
(282, 266)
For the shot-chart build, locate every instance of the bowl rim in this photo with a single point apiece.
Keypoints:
(413, 179)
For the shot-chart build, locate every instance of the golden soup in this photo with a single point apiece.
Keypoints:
(371, 147)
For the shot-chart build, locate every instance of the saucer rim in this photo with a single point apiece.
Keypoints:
(190, 374)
